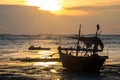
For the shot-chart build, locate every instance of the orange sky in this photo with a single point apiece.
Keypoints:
(59, 16)
(65, 5)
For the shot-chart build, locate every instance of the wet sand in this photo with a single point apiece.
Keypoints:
(15, 70)
(18, 70)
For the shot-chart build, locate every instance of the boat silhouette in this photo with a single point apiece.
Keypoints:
(37, 48)
(83, 58)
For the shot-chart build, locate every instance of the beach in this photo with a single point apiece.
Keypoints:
(14, 47)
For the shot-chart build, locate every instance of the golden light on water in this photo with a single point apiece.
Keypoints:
(49, 5)
(44, 52)
(45, 64)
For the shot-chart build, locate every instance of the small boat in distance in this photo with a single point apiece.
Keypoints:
(37, 48)
(84, 56)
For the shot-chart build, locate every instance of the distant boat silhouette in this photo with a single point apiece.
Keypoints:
(37, 48)
(83, 57)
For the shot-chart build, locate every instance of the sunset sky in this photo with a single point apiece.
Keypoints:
(59, 16)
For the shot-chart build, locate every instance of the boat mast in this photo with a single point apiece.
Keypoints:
(79, 34)
(78, 46)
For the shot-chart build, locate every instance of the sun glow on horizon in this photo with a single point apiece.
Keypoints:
(49, 5)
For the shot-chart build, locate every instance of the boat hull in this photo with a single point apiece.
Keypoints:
(91, 63)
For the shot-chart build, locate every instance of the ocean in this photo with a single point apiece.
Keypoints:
(15, 47)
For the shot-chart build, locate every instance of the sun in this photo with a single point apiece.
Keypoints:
(49, 5)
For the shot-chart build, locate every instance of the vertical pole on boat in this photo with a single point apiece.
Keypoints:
(79, 34)
(80, 30)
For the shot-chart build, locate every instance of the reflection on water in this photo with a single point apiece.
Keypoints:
(17, 47)
(48, 54)
(45, 52)
(16, 70)
(44, 63)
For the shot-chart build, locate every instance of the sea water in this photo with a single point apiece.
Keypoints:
(13, 47)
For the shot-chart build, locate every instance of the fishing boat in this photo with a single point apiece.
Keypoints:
(37, 48)
(85, 56)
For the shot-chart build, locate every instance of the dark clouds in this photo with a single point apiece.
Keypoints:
(16, 19)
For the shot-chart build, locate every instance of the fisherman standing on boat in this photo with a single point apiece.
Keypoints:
(98, 27)
(97, 41)
(95, 48)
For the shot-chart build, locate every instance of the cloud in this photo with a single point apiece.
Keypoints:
(28, 20)
(87, 10)
(99, 7)
(16, 19)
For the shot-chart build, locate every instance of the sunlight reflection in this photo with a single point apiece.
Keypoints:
(49, 5)
(47, 54)
(45, 64)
